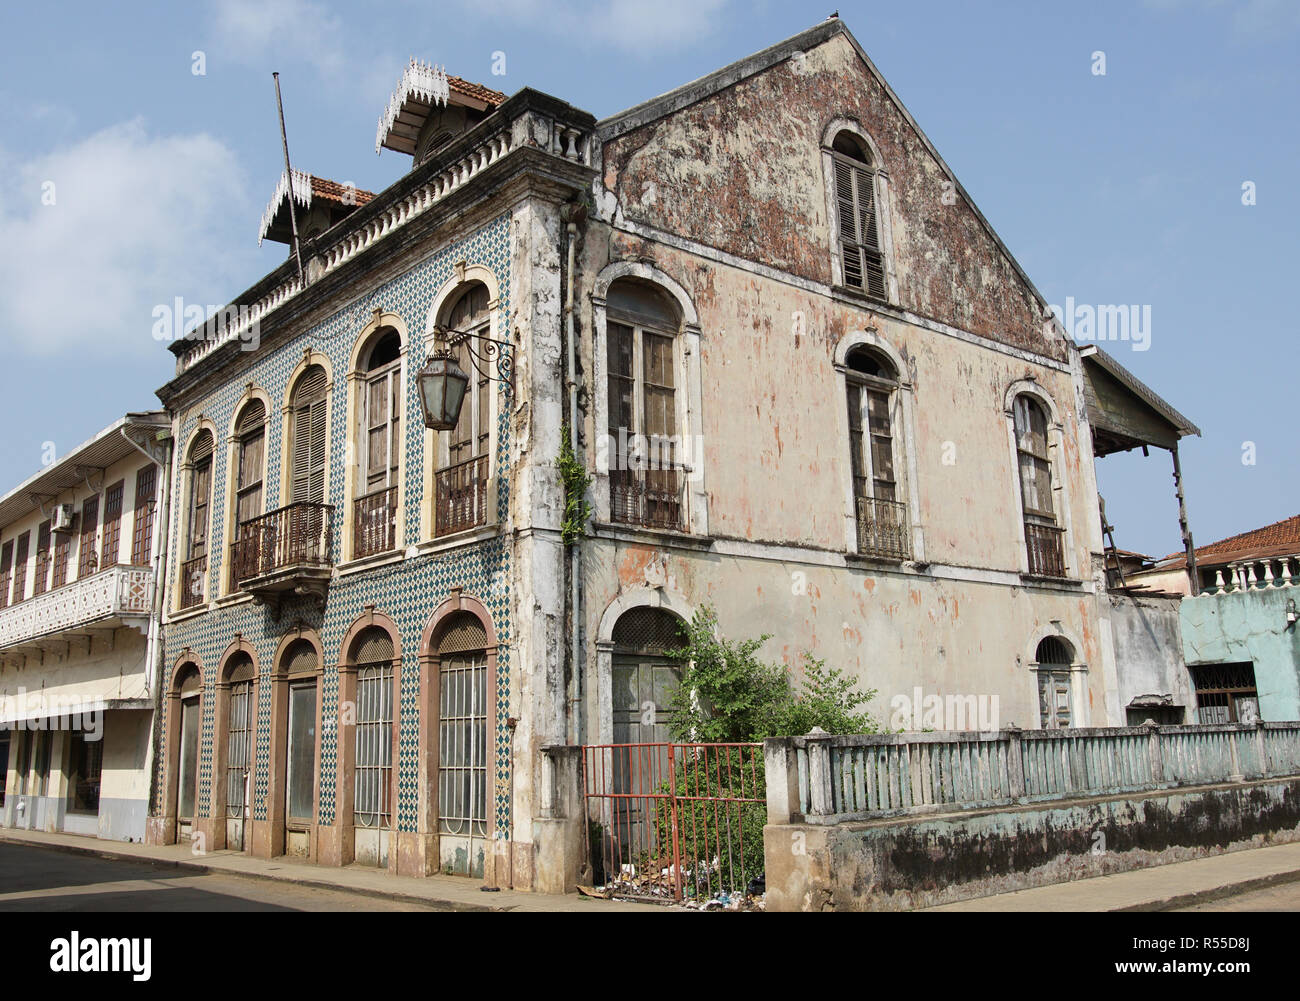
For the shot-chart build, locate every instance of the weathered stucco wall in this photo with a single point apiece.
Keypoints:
(1148, 650)
(894, 632)
(741, 171)
(923, 861)
(1248, 626)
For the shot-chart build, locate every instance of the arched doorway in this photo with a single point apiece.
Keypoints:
(240, 716)
(644, 679)
(296, 706)
(188, 697)
(463, 724)
(372, 657)
(1054, 658)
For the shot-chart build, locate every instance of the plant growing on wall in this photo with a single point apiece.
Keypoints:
(576, 480)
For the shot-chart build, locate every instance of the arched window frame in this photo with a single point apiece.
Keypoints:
(309, 359)
(901, 415)
(360, 502)
(879, 172)
(237, 653)
(178, 691)
(281, 680)
(236, 444)
(689, 397)
(436, 443)
(1075, 674)
(198, 472)
(1056, 465)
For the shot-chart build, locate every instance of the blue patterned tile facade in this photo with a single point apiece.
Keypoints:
(408, 592)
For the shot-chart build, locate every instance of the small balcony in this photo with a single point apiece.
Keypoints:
(461, 496)
(119, 596)
(1046, 546)
(286, 552)
(374, 523)
(649, 498)
(884, 530)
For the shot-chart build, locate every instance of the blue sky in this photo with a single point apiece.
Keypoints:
(1123, 188)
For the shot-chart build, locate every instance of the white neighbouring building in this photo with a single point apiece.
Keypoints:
(80, 543)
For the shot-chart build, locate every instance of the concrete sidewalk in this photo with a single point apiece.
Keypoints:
(1160, 888)
(442, 892)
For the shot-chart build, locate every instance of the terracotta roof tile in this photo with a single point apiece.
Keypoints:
(476, 90)
(324, 188)
(1282, 538)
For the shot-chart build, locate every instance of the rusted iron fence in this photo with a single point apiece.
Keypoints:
(675, 821)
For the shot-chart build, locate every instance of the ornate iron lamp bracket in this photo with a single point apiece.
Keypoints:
(485, 353)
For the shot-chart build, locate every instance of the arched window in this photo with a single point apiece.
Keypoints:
(189, 686)
(463, 735)
(871, 386)
(298, 670)
(1054, 658)
(250, 454)
(194, 570)
(859, 246)
(379, 444)
(241, 726)
(1043, 539)
(372, 654)
(646, 480)
(307, 425)
(462, 476)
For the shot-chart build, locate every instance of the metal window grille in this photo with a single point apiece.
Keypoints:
(374, 733)
(462, 730)
(239, 745)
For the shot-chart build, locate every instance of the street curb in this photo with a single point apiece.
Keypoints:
(1216, 893)
(203, 867)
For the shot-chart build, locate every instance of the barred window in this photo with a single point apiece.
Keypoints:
(462, 728)
(240, 726)
(373, 656)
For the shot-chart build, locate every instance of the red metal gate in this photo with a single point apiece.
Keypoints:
(675, 821)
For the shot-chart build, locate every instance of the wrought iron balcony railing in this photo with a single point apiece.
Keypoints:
(193, 582)
(883, 529)
(461, 496)
(121, 592)
(374, 522)
(1046, 545)
(274, 548)
(650, 498)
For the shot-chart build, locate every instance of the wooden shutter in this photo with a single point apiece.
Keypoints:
(860, 251)
(6, 571)
(200, 494)
(20, 567)
(309, 444)
(112, 540)
(62, 553)
(42, 559)
(251, 434)
(146, 482)
(86, 561)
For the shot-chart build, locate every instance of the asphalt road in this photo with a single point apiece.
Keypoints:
(51, 881)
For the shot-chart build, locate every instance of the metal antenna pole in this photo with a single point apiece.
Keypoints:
(288, 173)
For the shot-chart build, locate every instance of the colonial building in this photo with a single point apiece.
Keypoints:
(80, 546)
(811, 387)
(1239, 625)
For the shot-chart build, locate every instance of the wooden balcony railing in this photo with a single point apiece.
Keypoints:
(461, 496)
(651, 498)
(193, 582)
(883, 529)
(298, 535)
(374, 522)
(1046, 545)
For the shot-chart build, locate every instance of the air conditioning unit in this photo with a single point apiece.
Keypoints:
(63, 518)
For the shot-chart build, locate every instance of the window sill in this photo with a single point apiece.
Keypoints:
(386, 558)
(1047, 580)
(856, 294)
(639, 533)
(457, 539)
(867, 560)
(185, 614)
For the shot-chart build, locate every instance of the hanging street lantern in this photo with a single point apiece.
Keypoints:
(442, 382)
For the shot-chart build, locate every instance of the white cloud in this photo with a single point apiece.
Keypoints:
(631, 25)
(137, 220)
(255, 31)
(1249, 17)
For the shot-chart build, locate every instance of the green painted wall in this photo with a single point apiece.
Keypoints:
(1249, 626)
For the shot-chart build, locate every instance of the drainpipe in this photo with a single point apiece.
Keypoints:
(153, 662)
(572, 214)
